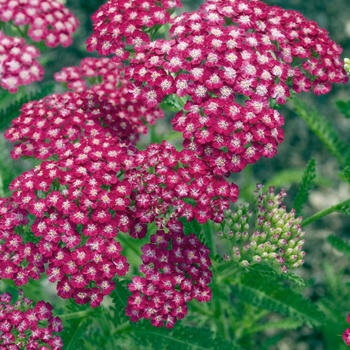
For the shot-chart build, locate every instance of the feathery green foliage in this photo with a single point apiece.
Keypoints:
(12, 111)
(75, 331)
(305, 187)
(181, 338)
(323, 129)
(339, 244)
(347, 173)
(270, 294)
(344, 108)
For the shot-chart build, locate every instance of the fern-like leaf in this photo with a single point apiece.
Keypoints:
(323, 129)
(340, 244)
(347, 173)
(270, 295)
(305, 187)
(287, 324)
(181, 338)
(12, 111)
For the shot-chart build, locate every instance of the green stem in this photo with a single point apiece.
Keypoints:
(122, 328)
(208, 232)
(2, 192)
(324, 212)
(78, 314)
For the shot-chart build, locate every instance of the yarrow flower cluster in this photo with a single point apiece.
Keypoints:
(122, 23)
(46, 127)
(231, 59)
(104, 69)
(80, 203)
(177, 270)
(28, 325)
(47, 20)
(274, 236)
(18, 65)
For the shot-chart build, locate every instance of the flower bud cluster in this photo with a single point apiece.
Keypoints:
(268, 232)
(122, 23)
(177, 270)
(18, 65)
(26, 325)
(47, 21)
(347, 66)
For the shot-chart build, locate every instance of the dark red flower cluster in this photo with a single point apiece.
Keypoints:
(47, 20)
(19, 260)
(177, 270)
(97, 188)
(169, 183)
(121, 23)
(17, 63)
(70, 201)
(21, 325)
(46, 127)
(231, 60)
(96, 69)
(228, 136)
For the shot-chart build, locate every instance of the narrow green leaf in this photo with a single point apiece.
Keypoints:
(323, 129)
(339, 244)
(305, 187)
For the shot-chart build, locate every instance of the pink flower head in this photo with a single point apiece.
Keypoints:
(103, 69)
(24, 320)
(118, 23)
(18, 65)
(47, 20)
(46, 127)
(228, 50)
(77, 238)
(173, 277)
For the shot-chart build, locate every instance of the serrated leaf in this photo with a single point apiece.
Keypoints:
(287, 324)
(73, 336)
(323, 129)
(347, 173)
(182, 338)
(339, 244)
(276, 298)
(344, 108)
(305, 187)
(12, 111)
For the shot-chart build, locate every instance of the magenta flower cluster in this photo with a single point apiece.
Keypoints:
(45, 20)
(177, 270)
(18, 65)
(25, 325)
(225, 65)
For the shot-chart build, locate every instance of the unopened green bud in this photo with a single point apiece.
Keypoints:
(347, 66)
(244, 263)
(256, 258)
